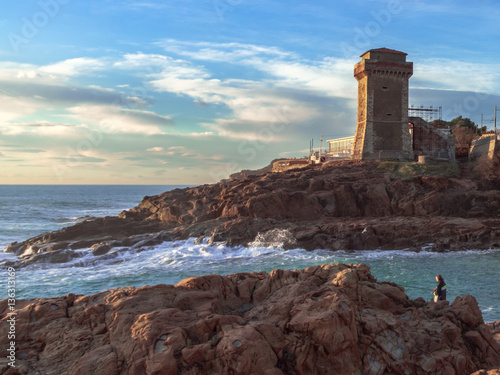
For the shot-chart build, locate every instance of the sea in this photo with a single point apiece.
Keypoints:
(29, 210)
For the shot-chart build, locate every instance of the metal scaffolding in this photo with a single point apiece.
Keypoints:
(429, 114)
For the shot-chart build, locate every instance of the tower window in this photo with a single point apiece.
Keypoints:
(389, 114)
(385, 88)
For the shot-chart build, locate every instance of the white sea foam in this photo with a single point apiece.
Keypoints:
(276, 238)
(466, 272)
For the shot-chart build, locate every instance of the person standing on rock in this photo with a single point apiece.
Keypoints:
(440, 291)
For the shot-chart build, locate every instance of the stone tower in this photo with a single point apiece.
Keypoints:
(382, 129)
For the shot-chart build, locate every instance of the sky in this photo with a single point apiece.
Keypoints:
(188, 92)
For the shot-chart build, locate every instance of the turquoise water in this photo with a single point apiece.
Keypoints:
(468, 272)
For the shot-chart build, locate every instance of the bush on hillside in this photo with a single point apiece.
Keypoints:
(488, 170)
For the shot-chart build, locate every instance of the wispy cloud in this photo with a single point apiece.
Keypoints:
(74, 67)
(148, 5)
(297, 86)
(43, 94)
(12, 108)
(44, 129)
(55, 73)
(121, 120)
(456, 75)
(223, 52)
(182, 152)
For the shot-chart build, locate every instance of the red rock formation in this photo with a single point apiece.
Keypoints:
(343, 205)
(331, 319)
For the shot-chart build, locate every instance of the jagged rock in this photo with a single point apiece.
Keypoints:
(330, 319)
(15, 247)
(347, 205)
(100, 248)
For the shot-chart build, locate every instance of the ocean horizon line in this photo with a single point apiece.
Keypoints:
(183, 185)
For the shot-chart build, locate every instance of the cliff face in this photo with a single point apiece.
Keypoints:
(331, 319)
(342, 205)
(339, 190)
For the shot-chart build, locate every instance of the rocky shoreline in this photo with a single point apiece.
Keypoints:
(348, 205)
(321, 320)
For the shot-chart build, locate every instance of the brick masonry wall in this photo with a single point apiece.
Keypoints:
(429, 141)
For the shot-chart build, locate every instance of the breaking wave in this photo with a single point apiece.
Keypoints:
(466, 272)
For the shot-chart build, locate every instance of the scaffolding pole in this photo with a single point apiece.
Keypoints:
(427, 113)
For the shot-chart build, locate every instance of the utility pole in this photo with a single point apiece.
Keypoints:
(495, 125)
(320, 145)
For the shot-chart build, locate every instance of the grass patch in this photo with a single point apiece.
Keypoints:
(387, 166)
(405, 169)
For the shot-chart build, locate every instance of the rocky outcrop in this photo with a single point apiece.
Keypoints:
(330, 319)
(241, 175)
(340, 190)
(341, 205)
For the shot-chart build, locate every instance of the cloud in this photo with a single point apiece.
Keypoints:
(331, 76)
(198, 135)
(222, 52)
(42, 94)
(114, 119)
(26, 88)
(178, 152)
(134, 158)
(53, 73)
(321, 92)
(78, 158)
(455, 75)
(255, 106)
(286, 154)
(146, 62)
(458, 103)
(28, 150)
(74, 67)
(287, 82)
(12, 108)
(12, 71)
(44, 129)
(148, 5)
(252, 103)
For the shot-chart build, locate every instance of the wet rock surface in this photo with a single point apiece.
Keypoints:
(330, 319)
(349, 205)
